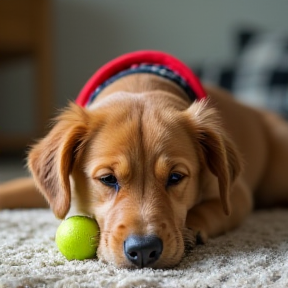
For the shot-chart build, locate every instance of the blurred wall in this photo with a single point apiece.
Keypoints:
(88, 33)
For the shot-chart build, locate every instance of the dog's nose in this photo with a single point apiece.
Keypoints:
(143, 250)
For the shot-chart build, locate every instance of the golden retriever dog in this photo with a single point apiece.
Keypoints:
(160, 162)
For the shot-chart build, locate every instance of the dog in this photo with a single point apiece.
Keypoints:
(160, 161)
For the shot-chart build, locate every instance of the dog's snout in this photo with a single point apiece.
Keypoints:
(143, 250)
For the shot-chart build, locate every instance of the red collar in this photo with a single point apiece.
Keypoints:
(127, 60)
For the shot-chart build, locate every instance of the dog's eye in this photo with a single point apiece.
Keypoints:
(110, 180)
(174, 178)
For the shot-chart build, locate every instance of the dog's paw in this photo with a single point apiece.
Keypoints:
(201, 237)
(193, 237)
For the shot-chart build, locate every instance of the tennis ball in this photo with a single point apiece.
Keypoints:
(78, 237)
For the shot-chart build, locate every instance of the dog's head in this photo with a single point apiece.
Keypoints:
(135, 164)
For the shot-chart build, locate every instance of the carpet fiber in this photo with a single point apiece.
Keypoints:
(255, 255)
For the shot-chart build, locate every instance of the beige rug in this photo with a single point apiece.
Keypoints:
(255, 255)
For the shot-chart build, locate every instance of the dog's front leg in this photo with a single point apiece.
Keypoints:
(20, 193)
(208, 219)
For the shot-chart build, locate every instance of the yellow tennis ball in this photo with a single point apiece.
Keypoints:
(78, 237)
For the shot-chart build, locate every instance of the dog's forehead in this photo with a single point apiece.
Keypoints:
(136, 123)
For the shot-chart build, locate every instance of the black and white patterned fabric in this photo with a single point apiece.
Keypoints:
(259, 75)
(261, 78)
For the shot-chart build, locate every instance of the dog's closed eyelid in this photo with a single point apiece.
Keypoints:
(98, 173)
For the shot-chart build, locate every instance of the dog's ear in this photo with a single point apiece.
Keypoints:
(50, 160)
(216, 150)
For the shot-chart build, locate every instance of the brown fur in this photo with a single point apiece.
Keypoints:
(141, 129)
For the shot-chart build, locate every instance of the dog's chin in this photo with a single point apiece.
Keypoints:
(160, 264)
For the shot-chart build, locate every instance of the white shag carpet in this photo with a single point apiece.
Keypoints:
(255, 255)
